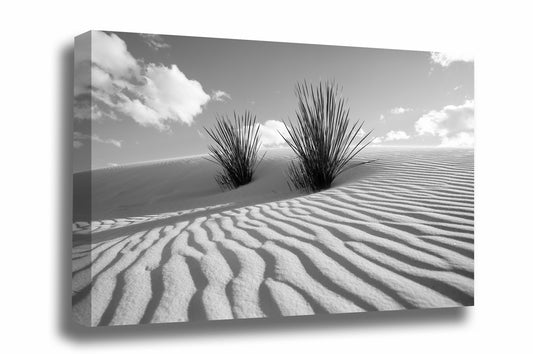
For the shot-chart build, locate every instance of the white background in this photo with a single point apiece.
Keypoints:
(35, 93)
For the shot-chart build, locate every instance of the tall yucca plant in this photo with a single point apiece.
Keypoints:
(323, 139)
(236, 149)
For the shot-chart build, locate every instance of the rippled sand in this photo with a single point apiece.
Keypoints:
(166, 245)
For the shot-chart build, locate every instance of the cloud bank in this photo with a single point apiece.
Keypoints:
(446, 59)
(454, 124)
(396, 135)
(392, 135)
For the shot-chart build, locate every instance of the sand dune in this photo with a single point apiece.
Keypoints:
(166, 245)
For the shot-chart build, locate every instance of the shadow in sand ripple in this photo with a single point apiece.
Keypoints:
(394, 234)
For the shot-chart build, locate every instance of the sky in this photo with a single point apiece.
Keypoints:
(142, 97)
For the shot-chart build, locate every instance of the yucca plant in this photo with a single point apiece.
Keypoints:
(322, 137)
(235, 149)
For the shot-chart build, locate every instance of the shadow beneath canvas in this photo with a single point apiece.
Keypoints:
(64, 186)
(268, 327)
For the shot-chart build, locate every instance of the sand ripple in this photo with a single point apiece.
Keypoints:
(400, 237)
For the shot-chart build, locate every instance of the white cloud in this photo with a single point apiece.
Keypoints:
(270, 133)
(381, 117)
(165, 95)
(82, 108)
(117, 143)
(446, 59)
(391, 136)
(361, 133)
(463, 139)
(101, 79)
(396, 135)
(155, 41)
(171, 95)
(110, 53)
(95, 112)
(220, 96)
(150, 94)
(99, 114)
(79, 137)
(400, 110)
(453, 124)
(141, 113)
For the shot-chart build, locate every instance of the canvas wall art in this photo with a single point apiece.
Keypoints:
(221, 179)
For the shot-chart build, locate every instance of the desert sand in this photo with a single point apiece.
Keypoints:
(162, 242)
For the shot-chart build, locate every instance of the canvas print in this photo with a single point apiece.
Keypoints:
(219, 179)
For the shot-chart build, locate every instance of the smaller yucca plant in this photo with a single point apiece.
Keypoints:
(236, 149)
(323, 139)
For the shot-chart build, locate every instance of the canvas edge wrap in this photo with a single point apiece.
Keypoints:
(82, 203)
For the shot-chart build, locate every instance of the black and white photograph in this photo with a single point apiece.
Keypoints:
(219, 179)
(304, 176)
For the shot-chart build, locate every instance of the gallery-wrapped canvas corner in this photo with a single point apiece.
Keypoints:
(219, 179)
